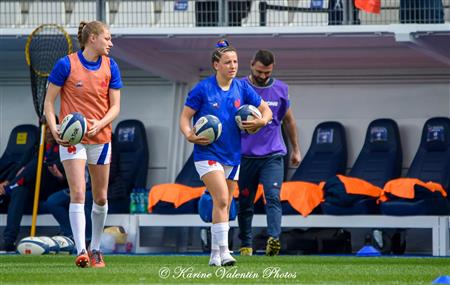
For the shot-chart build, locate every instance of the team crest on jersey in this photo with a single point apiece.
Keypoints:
(104, 84)
(79, 84)
(215, 105)
(72, 149)
(237, 103)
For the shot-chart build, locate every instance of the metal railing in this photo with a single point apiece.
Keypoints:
(201, 13)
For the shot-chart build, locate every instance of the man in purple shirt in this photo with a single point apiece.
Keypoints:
(262, 155)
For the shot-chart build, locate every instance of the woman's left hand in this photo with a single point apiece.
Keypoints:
(95, 127)
(253, 125)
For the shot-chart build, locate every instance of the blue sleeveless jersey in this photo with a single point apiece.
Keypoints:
(207, 98)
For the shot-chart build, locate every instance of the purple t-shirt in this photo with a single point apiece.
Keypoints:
(269, 140)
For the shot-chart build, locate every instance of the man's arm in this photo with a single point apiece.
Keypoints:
(291, 129)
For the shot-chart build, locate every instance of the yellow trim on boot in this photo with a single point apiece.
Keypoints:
(246, 251)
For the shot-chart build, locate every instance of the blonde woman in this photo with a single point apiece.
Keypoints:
(89, 82)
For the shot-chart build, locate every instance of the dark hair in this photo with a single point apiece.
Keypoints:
(266, 57)
(222, 47)
(85, 29)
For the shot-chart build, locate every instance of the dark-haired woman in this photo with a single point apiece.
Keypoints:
(218, 163)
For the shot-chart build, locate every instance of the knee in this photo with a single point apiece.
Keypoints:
(273, 200)
(221, 204)
(100, 201)
(51, 202)
(77, 195)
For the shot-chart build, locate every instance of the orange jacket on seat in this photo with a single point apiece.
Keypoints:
(405, 188)
(304, 197)
(344, 191)
(359, 186)
(177, 194)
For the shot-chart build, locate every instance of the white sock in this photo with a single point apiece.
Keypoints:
(220, 230)
(78, 225)
(98, 216)
(214, 244)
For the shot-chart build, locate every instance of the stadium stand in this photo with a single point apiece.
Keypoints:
(10, 13)
(379, 161)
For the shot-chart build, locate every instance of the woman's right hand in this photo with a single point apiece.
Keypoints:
(193, 138)
(57, 136)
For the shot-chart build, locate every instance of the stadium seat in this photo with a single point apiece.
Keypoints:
(19, 150)
(130, 141)
(431, 163)
(181, 197)
(188, 175)
(379, 161)
(326, 157)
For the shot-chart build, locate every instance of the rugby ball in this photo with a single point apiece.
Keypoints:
(73, 128)
(247, 113)
(32, 246)
(118, 232)
(208, 126)
(66, 245)
(53, 246)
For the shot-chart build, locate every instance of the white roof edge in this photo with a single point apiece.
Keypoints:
(256, 31)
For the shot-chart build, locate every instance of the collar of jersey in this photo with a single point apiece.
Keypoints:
(91, 65)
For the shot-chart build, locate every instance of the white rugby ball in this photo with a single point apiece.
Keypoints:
(208, 126)
(66, 245)
(53, 246)
(73, 128)
(32, 246)
(247, 113)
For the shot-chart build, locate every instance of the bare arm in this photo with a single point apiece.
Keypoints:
(291, 129)
(187, 130)
(113, 112)
(49, 109)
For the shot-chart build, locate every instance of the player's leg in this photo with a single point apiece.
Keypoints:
(99, 158)
(217, 186)
(272, 178)
(248, 184)
(75, 169)
(18, 200)
(225, 256)
(99, 181)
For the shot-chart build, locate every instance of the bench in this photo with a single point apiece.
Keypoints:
(439, 225)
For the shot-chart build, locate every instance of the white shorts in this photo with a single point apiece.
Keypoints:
(205, 166)
(94, 153)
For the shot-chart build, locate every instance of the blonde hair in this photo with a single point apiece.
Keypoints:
(85, 29)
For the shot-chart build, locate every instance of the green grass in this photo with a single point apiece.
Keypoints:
(124, 269)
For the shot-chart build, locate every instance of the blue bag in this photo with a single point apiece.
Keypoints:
(205, 205)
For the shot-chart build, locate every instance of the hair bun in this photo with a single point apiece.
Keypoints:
(222, 44)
